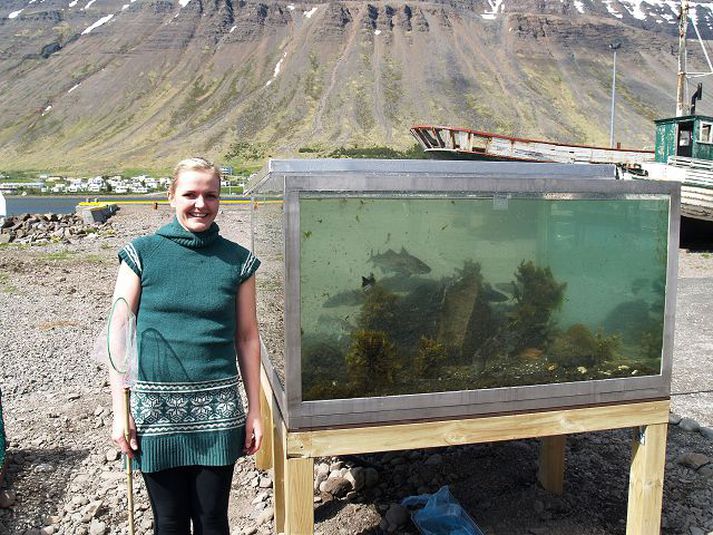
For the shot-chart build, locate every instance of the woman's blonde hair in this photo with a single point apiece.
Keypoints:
(195, 163)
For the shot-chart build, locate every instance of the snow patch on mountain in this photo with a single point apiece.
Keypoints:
(14, 14)
(494, 9)
(611, 10)
(277, 69)
(98, 23)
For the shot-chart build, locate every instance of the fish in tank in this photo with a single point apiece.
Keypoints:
(433, 293)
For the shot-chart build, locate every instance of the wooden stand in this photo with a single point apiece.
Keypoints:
(292, 453)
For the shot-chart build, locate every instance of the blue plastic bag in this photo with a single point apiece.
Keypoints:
(441, 514)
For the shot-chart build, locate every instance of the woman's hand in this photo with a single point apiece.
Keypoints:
(117, 435)
(253, 432)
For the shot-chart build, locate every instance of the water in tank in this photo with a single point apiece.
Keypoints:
(433, 293)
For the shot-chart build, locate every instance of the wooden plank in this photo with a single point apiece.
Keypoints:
(646, 480)
(263, 458)
(279, 462)
(299, 514)
(326, 442)
(551, 465)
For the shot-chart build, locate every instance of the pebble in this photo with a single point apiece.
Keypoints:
(265, 516)
(337, 487)
(693, 460)
(337, 465)
(706, 471)
(97, 528)
(259, 498)
(265, 483)
(322, 469)
(673, 418)
(7, 499)
(356, 476)
(112, 454)
(397, 515)
(707, 432)
(371, 477)
(689, 424)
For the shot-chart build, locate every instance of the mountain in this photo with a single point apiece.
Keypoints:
(102, 85)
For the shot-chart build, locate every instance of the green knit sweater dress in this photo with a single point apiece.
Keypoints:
(186, 402)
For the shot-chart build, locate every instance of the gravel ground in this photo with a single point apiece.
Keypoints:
(64, 476)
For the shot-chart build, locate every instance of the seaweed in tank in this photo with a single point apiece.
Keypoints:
(372, 363)
(430, 357)
(537, 295)
(372, 360)
(579, 346)
(628, 318)
(323, 360)
(418, 312)
(380, 310)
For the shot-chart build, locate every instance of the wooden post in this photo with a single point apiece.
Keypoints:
(299, 478)
(279, 460)
(263, 458)
(551, 468)
(646, 480)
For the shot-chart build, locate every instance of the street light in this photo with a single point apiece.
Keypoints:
(614, 47)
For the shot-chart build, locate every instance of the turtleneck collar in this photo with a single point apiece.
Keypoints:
(193, 240)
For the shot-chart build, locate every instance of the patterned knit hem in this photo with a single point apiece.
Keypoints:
(185, 408)
(203, 449)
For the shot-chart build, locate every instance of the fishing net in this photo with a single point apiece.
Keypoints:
(116, 345)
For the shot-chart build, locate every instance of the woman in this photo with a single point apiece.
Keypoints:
(193, 293)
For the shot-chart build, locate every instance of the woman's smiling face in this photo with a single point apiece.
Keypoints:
(196, 198)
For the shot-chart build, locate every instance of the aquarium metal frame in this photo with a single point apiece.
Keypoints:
(299, 414)
(278, 170)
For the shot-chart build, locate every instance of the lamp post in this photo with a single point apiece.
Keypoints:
(614, 47)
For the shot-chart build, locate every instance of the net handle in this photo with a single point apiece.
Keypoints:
(108, 335)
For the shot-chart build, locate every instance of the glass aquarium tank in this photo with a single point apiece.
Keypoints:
(401, 290)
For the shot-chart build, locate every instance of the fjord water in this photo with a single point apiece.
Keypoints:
(405, 295)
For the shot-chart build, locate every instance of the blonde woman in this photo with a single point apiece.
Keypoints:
(193, 293)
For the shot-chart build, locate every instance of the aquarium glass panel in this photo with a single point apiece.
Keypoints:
(269, 242)
(416, 294)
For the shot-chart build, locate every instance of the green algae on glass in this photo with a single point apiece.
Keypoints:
(433, 294)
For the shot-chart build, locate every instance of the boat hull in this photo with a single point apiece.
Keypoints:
(445, 142)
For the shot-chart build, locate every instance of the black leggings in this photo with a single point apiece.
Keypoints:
(197, 494)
